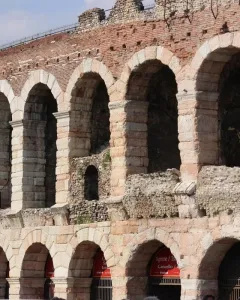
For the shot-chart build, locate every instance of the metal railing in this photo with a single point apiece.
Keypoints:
(63, 29)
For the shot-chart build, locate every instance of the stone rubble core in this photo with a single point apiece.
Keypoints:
(122, 135)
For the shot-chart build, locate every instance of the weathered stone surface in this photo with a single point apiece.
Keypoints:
(218, 190)
(151, 195)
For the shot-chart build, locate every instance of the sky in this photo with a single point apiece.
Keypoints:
(22, 18)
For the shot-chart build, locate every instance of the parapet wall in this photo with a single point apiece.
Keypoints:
(129, 10)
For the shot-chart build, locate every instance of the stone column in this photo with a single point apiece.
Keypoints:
(128, 142)
(14, 288)
(17, 165)
(119, 288)
(63, 157)
(61, 287)
(196, 289)
(198, 132)
(28, 164)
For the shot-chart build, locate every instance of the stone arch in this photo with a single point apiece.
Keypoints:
(90, 65)
(37, 236)
(6, 247)
(6, 115)
(34, 271)
(148, 85)
(137, 255)
(87, 95)
(8, 92)
(159, 53)
(147, 236)
(202, 84)
(4, 274)
(85, 246)
(40, 140)
(210, 59)
(48, 79)
(213, 256)
(98, 238)
(210, 262)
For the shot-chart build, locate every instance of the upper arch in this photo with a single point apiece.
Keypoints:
(147, 236)
(98, 238)
(41, 76)
(212, 51)
(90, 65)
(159, 53)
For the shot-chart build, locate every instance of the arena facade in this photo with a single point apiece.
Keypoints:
(120, 152)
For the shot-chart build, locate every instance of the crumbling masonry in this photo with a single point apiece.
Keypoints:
(122, 135)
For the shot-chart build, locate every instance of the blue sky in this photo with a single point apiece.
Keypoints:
(21, 18)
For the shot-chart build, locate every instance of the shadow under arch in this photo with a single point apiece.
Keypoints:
(39, 143)
(5, 152)
(206, 70)
(81, 271)
(138, 270)
(4, 274)
(152, 115)
(213, 257)
(33, 271)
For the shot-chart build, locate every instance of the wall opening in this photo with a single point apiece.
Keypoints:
(229, 111)
(6, 153)
(88, 264)
(91, 183)
(150, 279)
(40, 135)
(37, 271)
(156, 123)
(100, 126)
(4, 274)
(164, 275)
(89, 116)
(229, 275)
(101, 287)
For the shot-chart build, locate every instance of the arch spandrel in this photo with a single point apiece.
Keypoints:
(90, 65)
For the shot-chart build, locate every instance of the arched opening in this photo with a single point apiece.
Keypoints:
(40, 135)
(6, 153)
(100, 124)
(91, 183)
(229, 275)
(229, 111)
(152, 117)
(90, 276)
(89, 116)
(101, 287)
(218, 106)
(37, 273)
(209, 269)
(154, 272)
(4, 275)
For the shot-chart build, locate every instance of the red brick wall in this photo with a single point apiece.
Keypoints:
(114, 45)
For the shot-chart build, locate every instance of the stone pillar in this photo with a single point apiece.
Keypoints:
(63, 157)
(17, 165)
(28, 164)
(198, 132)
(119, 288)
(196, 289)
(128, 142)
(61, 287)
(14, 288)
